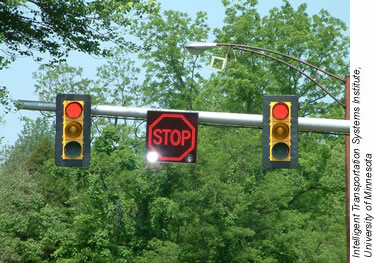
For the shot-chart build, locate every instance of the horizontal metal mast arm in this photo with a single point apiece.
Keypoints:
(225, 118)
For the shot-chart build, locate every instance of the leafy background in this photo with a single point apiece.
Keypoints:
(227, 207)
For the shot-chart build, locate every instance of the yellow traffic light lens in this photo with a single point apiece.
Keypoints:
(280, 150)
(280, 131)
(73, 129)
(73, 149)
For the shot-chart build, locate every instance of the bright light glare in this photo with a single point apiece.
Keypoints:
(189, 158)
(152, 157)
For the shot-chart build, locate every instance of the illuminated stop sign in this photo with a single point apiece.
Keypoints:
(171, 137)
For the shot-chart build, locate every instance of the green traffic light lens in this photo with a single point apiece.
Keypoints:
(280, 150)
(73, 149)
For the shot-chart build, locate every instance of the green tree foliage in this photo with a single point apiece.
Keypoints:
(171, 73)
(31, 28)
(118, 80)
(227, 207)
(319, 40)
(61, 79)
(32, 222)
(5, 99)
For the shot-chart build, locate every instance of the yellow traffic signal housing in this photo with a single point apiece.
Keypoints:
(280, 131)
(73, 123)
(73, 128)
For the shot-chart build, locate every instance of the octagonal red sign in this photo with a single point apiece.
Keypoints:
(171, 136)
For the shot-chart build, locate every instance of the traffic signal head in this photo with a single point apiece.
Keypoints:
(73, 129)
(280, 132)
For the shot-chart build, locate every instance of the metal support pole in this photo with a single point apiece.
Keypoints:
(225, 118)
(347, 166)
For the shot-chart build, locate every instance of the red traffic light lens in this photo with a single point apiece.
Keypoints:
(280, 111)
(73, 110)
